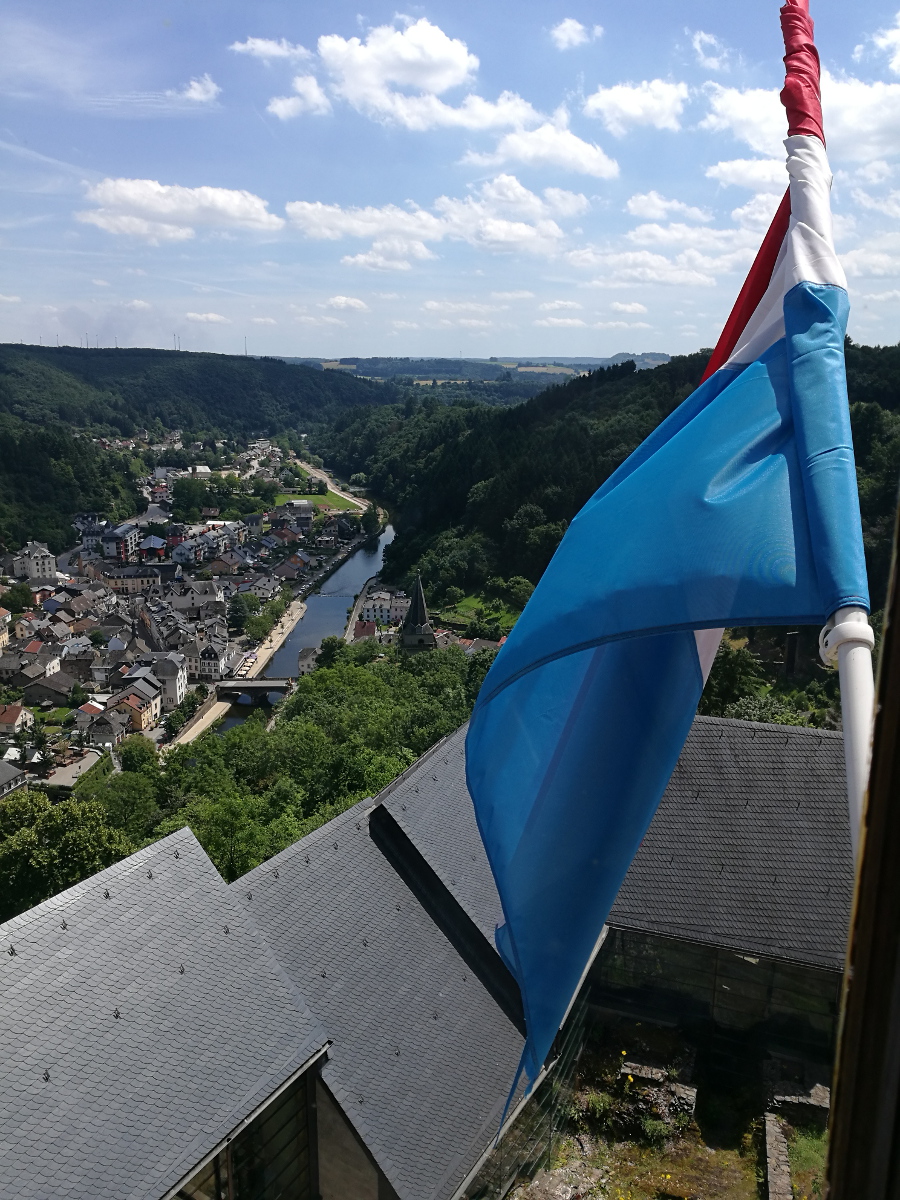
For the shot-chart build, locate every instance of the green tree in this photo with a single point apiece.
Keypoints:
(736, 673)
(129, 800)
(330, 651)
(369, 521)
(18, 598)
(50, 847)
(137, 753)
(78, 696)
(97, 637)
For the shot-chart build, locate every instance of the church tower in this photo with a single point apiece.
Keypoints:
(417, 633)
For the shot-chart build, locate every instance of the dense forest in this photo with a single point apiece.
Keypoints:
(481, 493)
(47, 475)
(118, 391)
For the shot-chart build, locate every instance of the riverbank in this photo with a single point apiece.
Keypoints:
(357, 607)
(276, 639)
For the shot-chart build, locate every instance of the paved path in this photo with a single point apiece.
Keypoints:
(217, 710)
(357, 607)
(276, 638)
(66, 776)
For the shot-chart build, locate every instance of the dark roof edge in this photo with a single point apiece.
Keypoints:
(322, 1052)
(740, 951)
(770, 727)
(447, 913)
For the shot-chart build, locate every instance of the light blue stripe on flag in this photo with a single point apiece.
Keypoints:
(740, 509)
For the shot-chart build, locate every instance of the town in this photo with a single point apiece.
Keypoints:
(132, 630)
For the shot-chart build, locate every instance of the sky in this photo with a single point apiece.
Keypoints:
(523, 179)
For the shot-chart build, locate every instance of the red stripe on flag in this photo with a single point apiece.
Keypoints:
(800, 95)
(754, 287)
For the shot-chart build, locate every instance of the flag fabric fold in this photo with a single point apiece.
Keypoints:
(740, 509)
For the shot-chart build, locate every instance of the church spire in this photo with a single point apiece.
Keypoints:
(417, 633)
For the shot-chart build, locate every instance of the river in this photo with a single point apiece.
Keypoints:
(326, 614)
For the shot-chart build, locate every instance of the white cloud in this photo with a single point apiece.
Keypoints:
(862, 120)
(156, 212)
(654, 207)
(876, 171)
(570, 33)
(550, 145)
(758, 212)
(209, 318)
(263, 321)
(308, 98)
(405, 324)
(10, 299)
(757, 174)
(200, 91)
(347, 302)
(553, 305)
(123, 225)
(512, 295)
(888, 41)
(881, 297)
(100, 282)
(137, 305)
(653, 102)
(754, 116)
(458, 306)
(643, 266)
(267, 48)
(699, 237)
(500, 216)
(711, 53)
(473, 323)
(632, 306)
(422, 58)
(562, 323)
(622, 325)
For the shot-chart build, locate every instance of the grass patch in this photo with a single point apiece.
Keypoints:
(495, 612)
(808, 1151)
(681, 1170)
(331, 500)
(56, 716)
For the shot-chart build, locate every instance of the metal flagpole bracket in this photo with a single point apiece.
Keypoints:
(854, 628)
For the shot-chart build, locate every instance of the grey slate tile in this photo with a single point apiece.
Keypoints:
(133, 1102)
(422, 1058)
(749, 849)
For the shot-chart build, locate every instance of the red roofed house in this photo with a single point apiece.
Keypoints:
(14, 717)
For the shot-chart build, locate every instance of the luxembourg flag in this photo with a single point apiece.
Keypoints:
(740, 509)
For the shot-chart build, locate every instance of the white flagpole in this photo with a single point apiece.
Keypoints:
(848, 640)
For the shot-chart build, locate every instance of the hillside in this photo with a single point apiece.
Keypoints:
(481, 493)
(117, 391)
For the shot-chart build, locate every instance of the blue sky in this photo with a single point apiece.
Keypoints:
(502, 178)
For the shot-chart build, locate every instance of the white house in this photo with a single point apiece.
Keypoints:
(34, 561)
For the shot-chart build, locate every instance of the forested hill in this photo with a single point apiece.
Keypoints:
(481, 493)
(117, 391)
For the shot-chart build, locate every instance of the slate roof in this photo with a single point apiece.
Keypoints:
(430, 802)
(749, 849)
(8, 772)
(422, 1056)
(131, 1104)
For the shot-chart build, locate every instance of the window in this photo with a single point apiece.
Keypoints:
(269, 1159)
